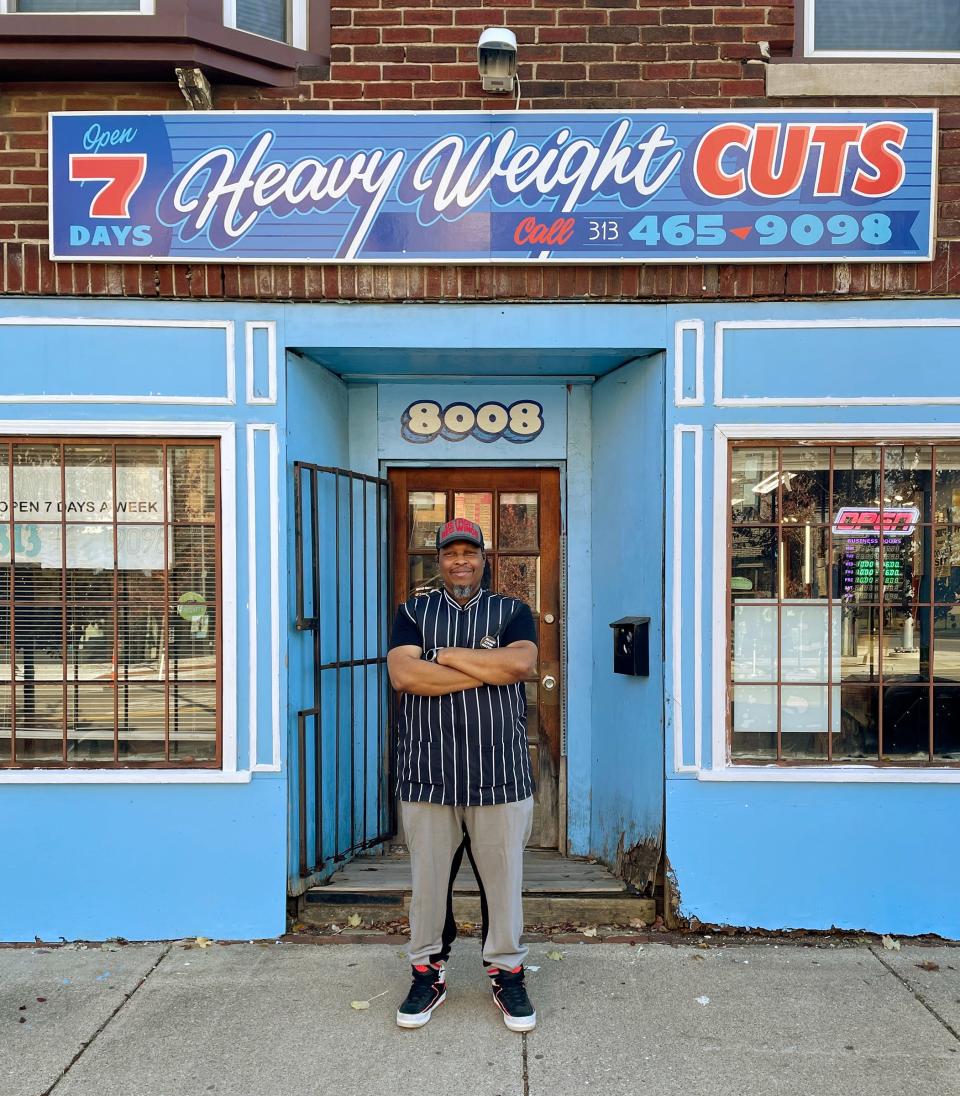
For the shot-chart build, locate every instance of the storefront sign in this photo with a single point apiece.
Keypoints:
(425, 420)
(896, 521)
(546, 186)
(40, 509)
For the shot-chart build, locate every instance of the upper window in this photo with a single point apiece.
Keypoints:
(882, 28)
(281, 20)
(109, 603)
(80, 7)
(844, 593)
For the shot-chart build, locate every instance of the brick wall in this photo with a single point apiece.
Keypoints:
(591, 54)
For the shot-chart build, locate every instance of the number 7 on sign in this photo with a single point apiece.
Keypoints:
(121, 174)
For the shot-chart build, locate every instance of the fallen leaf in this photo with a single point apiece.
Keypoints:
(42, 999)
(927, 964)
(696, 957)
(638, 923)
(365, 1004)
(703, 944)
(297, 926)
(889, 944)
(354, 920)
(556, 955)
(589, 932)
(203, 942)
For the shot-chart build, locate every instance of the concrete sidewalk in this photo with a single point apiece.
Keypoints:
(275, 1019)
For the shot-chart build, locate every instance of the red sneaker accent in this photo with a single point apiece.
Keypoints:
(421, 969)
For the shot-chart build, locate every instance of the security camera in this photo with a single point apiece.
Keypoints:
(497, 59)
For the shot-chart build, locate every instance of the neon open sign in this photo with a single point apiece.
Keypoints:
(896, 521)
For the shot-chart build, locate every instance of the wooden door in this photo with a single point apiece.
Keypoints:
(519, 512)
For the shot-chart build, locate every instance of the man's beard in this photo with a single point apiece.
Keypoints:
(462, 591)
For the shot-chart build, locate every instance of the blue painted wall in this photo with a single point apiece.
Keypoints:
(874, 855)
(121, 857)
(627, 556)
(756, 852)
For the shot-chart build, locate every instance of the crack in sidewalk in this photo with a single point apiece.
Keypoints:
(917, 994)
(85, 1046)
(526, 1078)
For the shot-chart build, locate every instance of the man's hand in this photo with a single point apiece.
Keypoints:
(409, 673)
(501, 666)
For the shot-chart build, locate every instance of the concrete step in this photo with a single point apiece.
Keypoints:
(538, 909)
(557, 890)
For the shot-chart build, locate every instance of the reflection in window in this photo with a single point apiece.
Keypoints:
(109, 595)
(845, 602)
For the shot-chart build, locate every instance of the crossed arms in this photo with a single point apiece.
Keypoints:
(459, 668)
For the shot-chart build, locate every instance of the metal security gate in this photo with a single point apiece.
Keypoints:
(344, 747)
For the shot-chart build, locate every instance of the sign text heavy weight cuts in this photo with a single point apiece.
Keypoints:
(596, 186)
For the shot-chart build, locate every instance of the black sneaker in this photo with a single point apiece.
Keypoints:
(510, 996)
(428, 990)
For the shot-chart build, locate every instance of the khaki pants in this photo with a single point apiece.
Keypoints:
(494, 839)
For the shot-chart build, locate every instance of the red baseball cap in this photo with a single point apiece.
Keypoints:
(459, 529)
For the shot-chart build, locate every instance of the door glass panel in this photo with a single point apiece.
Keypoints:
(427, 512)
(754, 721)
(518, 520)
(423, 575)
(519, 577)
(533, 712)
(476, 506)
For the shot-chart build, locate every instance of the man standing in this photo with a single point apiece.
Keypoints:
(458, 657)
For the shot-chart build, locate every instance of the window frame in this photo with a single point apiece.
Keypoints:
(224, 434)
(297, 21)
(721, 766)
(806, 39)
(9, 7)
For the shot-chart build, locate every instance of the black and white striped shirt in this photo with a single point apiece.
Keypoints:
(467, 748)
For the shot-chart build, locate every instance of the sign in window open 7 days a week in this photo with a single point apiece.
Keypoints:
(494, 186)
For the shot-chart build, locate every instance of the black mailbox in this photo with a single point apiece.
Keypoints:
(631, 646)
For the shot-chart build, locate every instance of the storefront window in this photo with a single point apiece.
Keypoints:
(109, 603)
(844, 590)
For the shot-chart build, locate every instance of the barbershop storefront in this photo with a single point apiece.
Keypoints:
(209, 511)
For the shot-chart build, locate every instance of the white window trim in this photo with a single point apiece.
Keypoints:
(810, 50)
(226, 432)
(9, 7)
(298, 22)
(722, 768)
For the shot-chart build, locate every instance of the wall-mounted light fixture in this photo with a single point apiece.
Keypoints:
(497, 60)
